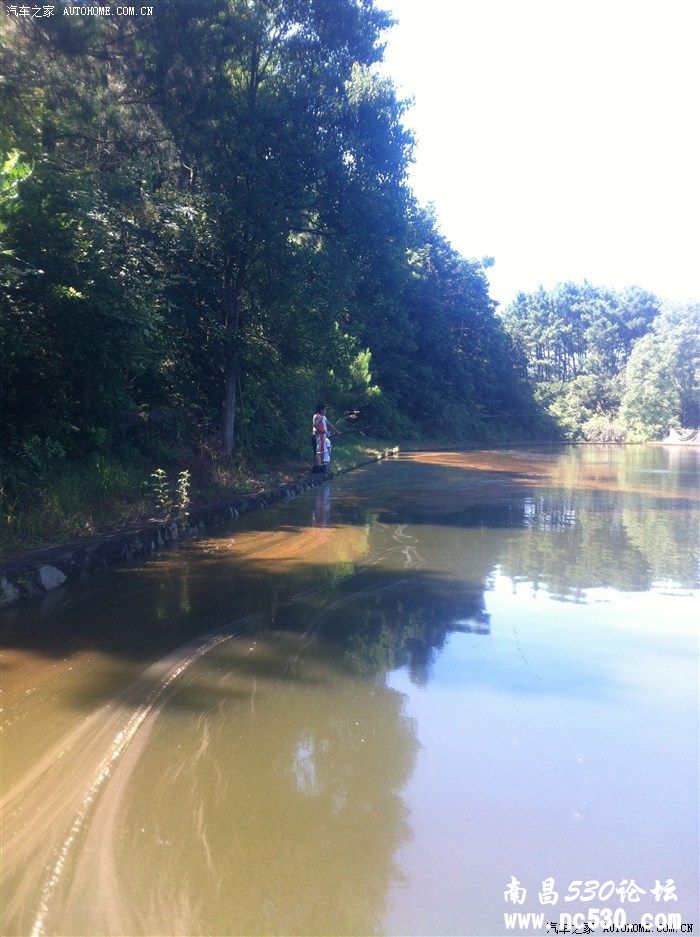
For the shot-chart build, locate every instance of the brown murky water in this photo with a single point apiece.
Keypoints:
(369, 709)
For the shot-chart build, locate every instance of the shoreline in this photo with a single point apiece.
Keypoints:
(35, 573)
(38, 572)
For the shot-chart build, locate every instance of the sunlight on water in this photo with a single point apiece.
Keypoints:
(368, 709)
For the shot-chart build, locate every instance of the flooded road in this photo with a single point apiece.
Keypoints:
(397, 705)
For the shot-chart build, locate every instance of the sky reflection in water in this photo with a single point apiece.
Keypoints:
(461, 668)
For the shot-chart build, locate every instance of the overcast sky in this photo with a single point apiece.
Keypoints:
(561, 137)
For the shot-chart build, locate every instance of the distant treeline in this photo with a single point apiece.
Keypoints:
(206, 227)
(609, 365)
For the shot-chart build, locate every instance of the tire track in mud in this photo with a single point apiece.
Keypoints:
(134, 727)
(413, 561)
(159, 676)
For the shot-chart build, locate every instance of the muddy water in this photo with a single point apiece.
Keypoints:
(369, 709)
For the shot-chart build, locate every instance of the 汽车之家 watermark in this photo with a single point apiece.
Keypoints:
(14, 9)
(32, 12)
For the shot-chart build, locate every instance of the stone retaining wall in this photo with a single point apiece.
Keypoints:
(40, 572)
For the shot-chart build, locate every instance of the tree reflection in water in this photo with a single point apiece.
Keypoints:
(575, 541)
(267, 795)
(277, 813)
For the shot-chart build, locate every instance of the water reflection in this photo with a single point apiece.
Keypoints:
(322, 506)
(276, 812)
(399, 692)
(605, 516)
(578, 540)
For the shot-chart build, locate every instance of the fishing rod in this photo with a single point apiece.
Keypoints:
(345, 432)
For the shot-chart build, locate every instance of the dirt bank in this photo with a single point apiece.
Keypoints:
(41, 571)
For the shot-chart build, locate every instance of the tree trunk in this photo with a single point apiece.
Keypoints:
(233, 276)
(228, 411)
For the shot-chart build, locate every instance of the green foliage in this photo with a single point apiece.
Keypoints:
(182, 497)
(161, 492)
(577, 329)
(40, 455)
(206, 255)
(362, 388)
(662, 380)
(12, 172)
(171, 500)
(608, 366)
(604, 429)
(54, 501)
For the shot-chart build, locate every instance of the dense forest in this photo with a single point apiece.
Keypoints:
(609, 366)
(206, 213)
(206, 228)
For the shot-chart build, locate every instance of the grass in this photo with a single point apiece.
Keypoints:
(75, 500)
(72, 501)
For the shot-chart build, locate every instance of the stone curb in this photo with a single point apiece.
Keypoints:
(37, 573)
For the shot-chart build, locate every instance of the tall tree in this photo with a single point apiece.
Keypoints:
(577, 339)
(254, 94)
(662, 380)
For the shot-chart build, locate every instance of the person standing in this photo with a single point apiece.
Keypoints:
(314, 430)
(319, 432)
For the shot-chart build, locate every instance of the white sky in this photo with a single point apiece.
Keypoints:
(561, 137)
